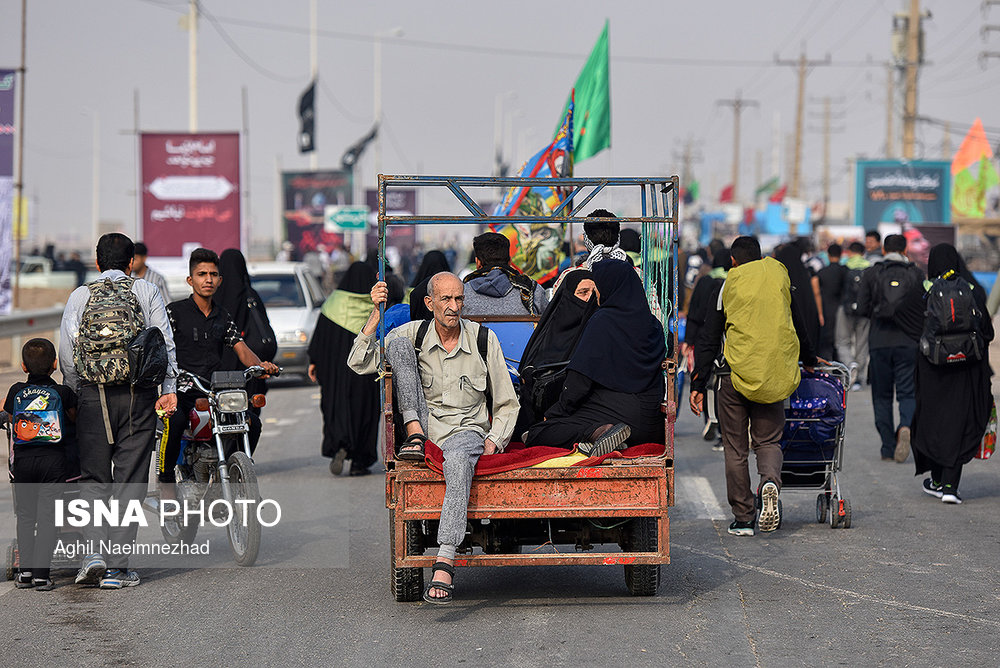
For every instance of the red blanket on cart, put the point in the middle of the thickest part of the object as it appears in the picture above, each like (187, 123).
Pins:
(516, 456)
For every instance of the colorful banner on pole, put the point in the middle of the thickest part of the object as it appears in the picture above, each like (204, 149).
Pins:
(7, 78)
(307, 195)
(894, 191)
(190, 191)
(536, 249)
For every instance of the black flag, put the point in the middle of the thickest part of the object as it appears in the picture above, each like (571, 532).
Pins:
(307, 119)
(352, 154)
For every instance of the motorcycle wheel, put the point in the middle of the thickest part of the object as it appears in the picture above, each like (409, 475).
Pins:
(175, 531)
(244, 529)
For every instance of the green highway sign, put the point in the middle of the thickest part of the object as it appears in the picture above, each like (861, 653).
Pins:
(345, 218)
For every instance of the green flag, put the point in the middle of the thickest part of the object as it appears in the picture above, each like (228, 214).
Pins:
(767, 187)
(592, 113)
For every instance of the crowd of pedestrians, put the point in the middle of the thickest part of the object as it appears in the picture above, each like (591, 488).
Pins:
(918, 340)
(120, 348)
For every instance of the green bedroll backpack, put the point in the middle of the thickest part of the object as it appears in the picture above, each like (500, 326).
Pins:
(110, 320)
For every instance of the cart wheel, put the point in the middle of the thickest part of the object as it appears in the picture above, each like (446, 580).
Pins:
(822, 506)
(846, 521)
(407, 584)
(10, 563)
(641, 536)
(834, 514)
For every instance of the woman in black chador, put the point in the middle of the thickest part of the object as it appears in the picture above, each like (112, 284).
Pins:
(614, 386)
(543, 364)
(350, 403)
(953, 400)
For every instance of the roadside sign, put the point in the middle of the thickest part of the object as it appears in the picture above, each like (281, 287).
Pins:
(339, 218)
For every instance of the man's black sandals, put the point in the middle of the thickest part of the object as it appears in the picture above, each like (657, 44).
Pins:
(449, 589)
(412, 448)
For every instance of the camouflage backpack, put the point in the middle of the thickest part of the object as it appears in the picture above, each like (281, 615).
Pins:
(110, 320)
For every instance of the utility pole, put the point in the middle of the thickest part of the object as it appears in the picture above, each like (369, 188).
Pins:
(737, 103)
(313, 74)
(914, 57)
(758, 174)
(193, 66)
(803, 65)
(827, 131)
(687, 158)
(19, 208)
(890, 87)
(946, 142)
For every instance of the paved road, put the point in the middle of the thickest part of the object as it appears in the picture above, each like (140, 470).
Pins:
(912, 583)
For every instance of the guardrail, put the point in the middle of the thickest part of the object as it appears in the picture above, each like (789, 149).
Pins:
(30, 322)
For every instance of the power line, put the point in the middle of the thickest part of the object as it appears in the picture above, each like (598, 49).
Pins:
(337, 103)
(243, 55)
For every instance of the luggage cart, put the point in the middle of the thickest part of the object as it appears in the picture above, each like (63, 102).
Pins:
(813, 441)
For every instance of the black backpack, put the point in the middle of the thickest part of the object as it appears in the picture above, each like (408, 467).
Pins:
(952, 323)
(894, 283)
(849, 296)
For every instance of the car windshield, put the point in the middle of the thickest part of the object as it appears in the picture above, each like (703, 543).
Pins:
(278, 290)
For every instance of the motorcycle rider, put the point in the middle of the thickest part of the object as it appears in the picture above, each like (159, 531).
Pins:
(202, 330)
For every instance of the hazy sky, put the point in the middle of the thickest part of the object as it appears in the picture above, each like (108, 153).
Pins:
(670, 63)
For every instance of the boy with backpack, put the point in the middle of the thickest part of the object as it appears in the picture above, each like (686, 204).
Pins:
(116, 413)
(891, 293)
(42, 414)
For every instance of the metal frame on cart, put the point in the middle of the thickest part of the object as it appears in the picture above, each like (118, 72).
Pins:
(633, 490)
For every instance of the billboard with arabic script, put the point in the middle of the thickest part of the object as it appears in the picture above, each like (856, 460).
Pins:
(190, 191)
(896, 191)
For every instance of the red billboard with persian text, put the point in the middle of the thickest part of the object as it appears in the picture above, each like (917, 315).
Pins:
(190, 191)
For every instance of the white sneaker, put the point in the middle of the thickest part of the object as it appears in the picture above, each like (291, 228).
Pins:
(950, 495)
(770, 513)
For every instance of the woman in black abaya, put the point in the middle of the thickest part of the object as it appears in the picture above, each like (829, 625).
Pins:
(953, 400)
(237, 297)
(803, 295)
(349, 402)
(614, 386)
(543, 364)
(434, 262)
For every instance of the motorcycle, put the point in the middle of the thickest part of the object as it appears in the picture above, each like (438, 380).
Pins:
(215, 462)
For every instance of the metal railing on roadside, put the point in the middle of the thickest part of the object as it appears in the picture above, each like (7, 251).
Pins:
(30, 322)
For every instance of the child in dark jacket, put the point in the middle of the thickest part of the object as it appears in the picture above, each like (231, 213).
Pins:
(42, 414)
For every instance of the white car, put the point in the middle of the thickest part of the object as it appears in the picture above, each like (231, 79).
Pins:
(292, 298)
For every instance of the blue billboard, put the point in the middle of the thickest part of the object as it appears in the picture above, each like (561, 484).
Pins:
(897, 191)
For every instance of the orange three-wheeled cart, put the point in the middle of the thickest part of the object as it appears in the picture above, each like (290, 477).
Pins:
(612, 514)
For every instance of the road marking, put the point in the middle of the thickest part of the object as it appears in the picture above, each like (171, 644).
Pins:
(281, 422)
(835, 590)
(694, 496)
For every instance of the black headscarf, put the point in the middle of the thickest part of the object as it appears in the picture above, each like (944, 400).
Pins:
(790, 255)
(944, 258)
(395, 284)
(622, 346)
(434, 261)
(234, 289)
(629, 241)
(359, 279)
(561, 324)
